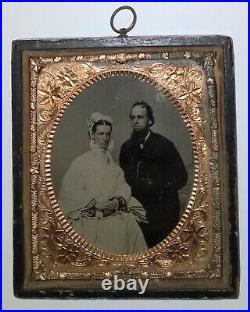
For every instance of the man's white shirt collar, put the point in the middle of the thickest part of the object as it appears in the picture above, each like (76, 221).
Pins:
(145, 140)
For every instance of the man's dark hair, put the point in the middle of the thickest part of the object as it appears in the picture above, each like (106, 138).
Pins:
(148, 108)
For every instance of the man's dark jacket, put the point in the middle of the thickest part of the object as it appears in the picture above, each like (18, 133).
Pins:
(155, 173)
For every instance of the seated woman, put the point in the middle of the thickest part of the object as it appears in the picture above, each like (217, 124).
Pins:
(97, 200)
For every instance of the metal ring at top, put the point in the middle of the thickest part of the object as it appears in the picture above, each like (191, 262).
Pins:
(123, 31)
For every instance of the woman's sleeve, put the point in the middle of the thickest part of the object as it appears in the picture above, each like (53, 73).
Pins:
(73, 193)
(122, 188)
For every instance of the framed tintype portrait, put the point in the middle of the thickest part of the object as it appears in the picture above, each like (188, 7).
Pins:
(125, 167)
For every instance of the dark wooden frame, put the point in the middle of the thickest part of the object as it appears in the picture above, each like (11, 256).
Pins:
(230, 147)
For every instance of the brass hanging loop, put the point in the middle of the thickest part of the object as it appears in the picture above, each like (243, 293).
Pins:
(123, 31)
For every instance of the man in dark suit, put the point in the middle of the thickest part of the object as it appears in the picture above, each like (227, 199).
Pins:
(155, 171)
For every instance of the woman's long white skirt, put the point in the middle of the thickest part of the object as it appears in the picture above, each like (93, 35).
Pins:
(118, 234)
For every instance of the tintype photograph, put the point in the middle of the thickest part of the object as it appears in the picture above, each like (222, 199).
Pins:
(126, 169)
(122, 165)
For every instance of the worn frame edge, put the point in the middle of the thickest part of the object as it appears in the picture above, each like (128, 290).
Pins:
(18, 46)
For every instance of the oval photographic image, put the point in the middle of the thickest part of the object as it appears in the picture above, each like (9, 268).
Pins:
(122, 165)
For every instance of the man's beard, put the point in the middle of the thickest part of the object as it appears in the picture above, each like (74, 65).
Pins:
(139, 136)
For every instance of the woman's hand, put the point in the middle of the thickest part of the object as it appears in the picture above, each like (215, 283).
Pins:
(114, 204)
(110, 204)
(102, 205)
(74, 215)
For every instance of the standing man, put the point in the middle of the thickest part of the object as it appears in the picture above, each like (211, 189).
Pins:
(155, 171)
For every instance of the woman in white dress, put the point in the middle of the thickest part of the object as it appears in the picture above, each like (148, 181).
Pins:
(97, 200)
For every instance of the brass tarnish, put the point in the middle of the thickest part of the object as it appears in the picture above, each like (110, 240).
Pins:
(193, 249)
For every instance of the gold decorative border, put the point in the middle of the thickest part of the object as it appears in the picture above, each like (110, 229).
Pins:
(58, 252)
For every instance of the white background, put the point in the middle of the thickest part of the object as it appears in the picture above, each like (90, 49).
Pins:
(43, 20)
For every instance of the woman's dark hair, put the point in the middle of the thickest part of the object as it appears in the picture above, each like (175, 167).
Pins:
(148, 108)
(100, 123)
